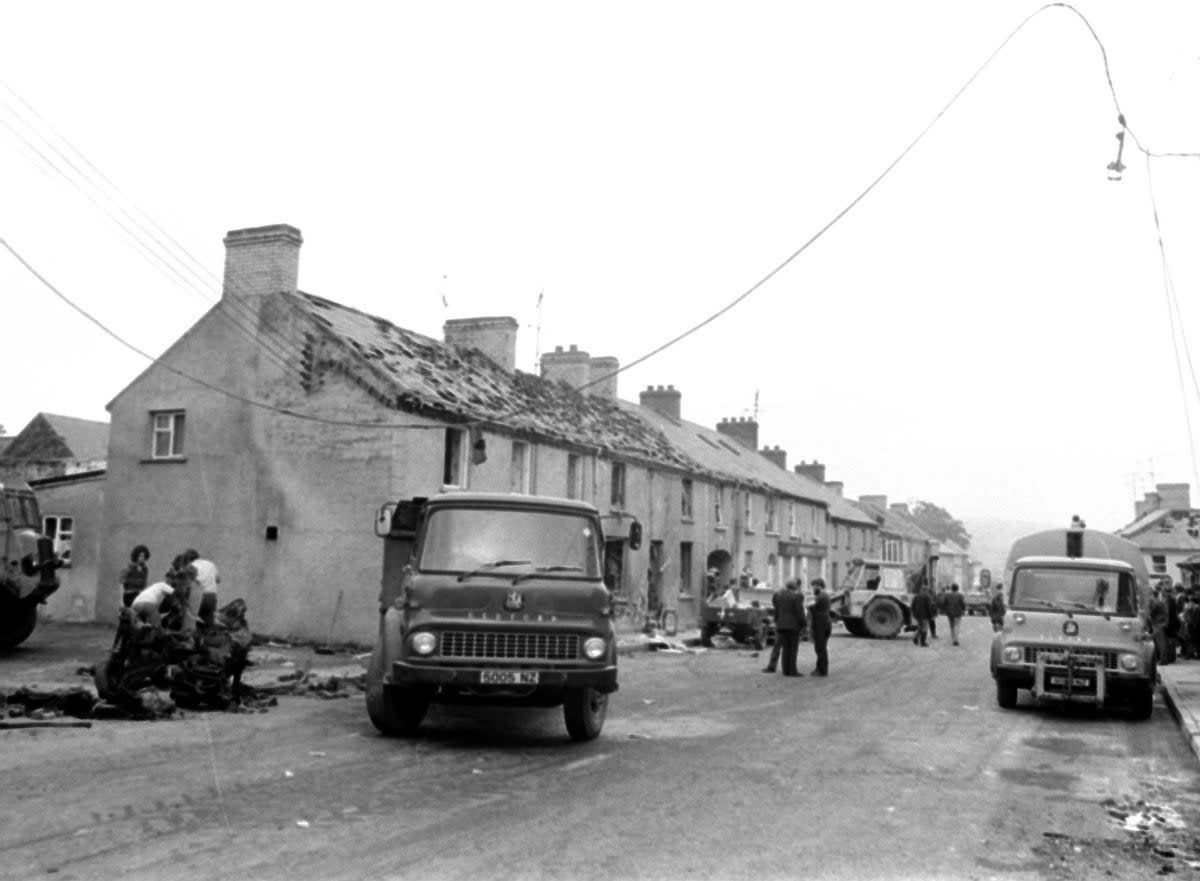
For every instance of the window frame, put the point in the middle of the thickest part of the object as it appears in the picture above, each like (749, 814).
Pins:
(457, 458)
(520, 469)
(687, 499)
(616, 490)
(55, 534)
(175, 433)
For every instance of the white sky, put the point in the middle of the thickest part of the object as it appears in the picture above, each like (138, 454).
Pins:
(987, 330)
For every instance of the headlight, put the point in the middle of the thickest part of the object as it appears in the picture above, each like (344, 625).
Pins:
(423, 643)
(1013, 654)
(1129, 662)
(593, 649)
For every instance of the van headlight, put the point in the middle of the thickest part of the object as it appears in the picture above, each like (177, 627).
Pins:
(594, 648)
(423, 643)
(1129, 662)
(1013, 654)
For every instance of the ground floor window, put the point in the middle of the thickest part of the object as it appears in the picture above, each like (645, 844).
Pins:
(60, 529)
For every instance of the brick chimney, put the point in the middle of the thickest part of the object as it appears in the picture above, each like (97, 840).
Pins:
(813, 470)
(837, 486)
(1176, 496)
(261, 260)
(742, 429)
(899, 508)
(494, 336)
(572, 367)
(879, 502)
(776, 455)
(662, 399)
(602, 365)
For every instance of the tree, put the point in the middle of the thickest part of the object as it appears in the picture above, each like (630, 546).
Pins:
(941, 524)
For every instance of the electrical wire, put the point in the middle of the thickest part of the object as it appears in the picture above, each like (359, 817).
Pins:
(1172, 309)
(285, 411)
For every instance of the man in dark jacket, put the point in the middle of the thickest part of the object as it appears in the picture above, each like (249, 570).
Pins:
(820, 625)
(922, 612)
(956, 607)
(789, 621)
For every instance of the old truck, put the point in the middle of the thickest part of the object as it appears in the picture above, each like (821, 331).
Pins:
(29, 564)
(874, 599)
(493, 598)
(1076, 626)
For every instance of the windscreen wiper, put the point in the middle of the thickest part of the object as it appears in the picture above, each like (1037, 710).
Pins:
(488, 567)
(541, 570)
(1049, 604)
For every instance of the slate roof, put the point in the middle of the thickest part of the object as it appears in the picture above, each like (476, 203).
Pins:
(895, 523)
(415, 373)
(1164, 529)
(51, 437)
(86, 438)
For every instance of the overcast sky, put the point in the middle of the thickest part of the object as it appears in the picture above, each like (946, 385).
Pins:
(987, 329)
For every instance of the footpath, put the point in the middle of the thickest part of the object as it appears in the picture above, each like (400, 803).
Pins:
(1181, 689)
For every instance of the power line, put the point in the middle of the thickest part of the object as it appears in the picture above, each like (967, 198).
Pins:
(208, 385)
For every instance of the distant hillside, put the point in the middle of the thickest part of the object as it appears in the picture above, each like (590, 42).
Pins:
(992, 537)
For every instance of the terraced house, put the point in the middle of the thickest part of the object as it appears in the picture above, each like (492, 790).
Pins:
(269, 433)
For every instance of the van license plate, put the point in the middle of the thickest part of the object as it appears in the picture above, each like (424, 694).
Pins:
(508, 677)
(1076, 682)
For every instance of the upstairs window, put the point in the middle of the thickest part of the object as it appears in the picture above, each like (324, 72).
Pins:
(454, 465)
(167, 434)
(685, 500)
(617, 496)
(772, 525)
(792, 519)
(1159, 563)
(719, 506)
(748, 512)
(574, 476)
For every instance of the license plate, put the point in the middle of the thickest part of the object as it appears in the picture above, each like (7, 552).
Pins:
(508, 677)
(1076, 682)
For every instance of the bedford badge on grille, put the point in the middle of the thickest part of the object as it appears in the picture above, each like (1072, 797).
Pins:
(514, 602)
(1070, 628)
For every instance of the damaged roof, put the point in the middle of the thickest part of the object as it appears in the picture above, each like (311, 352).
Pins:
(416, 373)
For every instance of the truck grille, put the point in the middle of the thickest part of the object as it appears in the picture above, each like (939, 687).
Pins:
(1057, 656)
(486, 644)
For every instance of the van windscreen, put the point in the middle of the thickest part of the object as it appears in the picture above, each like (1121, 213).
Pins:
(1074, 590)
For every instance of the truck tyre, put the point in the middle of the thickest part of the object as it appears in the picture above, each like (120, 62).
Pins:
(394, 711)
(883, 618)
(855, 626)
(1006, 695)
(707, 632)
(17, 621)
(584, 710)
(1141, 705)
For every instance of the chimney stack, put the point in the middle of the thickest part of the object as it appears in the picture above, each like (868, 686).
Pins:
(665, 401)
(776, 455)
(572, 367)
(494, 336)
(602, 365)
(900, 508)
(837, 486)
(742, 429)
(813, 470)
(261, 260)
(1176, 496)
(879, 502)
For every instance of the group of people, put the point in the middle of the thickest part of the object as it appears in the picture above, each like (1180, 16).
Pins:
(186, 594)
(1175, 616)
(927, 605)
(792, 618)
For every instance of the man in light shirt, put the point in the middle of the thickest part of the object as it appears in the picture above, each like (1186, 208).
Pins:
(204, 607)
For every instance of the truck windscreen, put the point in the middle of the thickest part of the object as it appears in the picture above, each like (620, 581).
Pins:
(1074, 590)
(465, 539)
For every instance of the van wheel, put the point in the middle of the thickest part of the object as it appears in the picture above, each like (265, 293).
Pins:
(1141, 707)
(1006, 695)
(584, 710)
(394, 711)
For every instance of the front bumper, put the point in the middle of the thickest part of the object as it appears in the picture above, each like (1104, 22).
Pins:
(1082, 683)
(601, 678)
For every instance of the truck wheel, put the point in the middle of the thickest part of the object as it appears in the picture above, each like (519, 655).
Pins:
(584, 710)
(883, 619)
(1006, 695)
(855, 626)
(16, 623)
(1141, 706)
(393, 710)
(708, 631)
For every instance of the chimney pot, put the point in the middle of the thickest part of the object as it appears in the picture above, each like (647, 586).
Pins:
(494, 336)
(665, 401)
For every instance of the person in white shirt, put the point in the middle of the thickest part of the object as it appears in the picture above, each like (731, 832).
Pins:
(149, 605)
(205, 606)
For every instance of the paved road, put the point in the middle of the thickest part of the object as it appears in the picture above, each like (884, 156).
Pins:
(899, 765)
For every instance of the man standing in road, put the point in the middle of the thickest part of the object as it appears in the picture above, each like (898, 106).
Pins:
(789, 620)
(996, 608)
(922, 612)
(956, 607)
(820, 625)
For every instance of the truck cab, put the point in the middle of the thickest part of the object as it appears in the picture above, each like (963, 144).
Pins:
(1076, 625)
(492, 598)
(28, 576)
